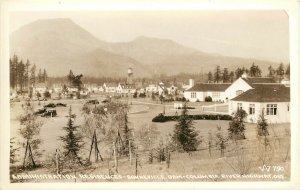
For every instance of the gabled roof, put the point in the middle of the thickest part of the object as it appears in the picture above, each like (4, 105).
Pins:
(265, 93)
(259, 80)
(127, 86)
(204, 87)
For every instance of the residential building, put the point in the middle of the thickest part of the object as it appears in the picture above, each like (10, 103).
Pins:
(202, 90)
(125, 89)
(271, 99)
(110, 87)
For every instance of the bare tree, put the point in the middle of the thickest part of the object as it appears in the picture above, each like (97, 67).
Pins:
(30, 130)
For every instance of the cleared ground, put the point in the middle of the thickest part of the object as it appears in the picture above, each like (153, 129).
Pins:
(248, 154)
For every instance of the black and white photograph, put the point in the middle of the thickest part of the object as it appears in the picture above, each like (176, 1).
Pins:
(149, 96)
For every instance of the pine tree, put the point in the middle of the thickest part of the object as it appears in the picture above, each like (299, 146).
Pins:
(217, 74)
(185, 135)
(70, 78)
(254, 71)
(33, 75)
(271, 71)
(238, 73)
(262, 125)
(231, 76)
(236, 126)
(45, 75)
(40, 76)
(210, 77)
(225, 75)
(280, 71)
(27, 65)
(72, 141)
(287, 72)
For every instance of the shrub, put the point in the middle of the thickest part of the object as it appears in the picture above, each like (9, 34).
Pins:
(208, 99)
(163, 118)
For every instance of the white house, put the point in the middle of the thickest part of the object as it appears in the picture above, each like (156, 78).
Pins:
(172, 89)
(110, 87)
(245, 83)
(125, 89)
(272, 99)
(202, 90)
(152, 88)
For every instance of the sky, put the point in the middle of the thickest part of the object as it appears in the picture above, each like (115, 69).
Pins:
(255, 34)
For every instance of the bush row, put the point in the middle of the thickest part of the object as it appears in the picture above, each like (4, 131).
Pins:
(162, 118)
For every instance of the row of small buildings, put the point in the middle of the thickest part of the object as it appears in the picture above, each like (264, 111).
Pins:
(252, 94)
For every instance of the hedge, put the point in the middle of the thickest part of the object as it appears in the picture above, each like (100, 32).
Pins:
(163, 118)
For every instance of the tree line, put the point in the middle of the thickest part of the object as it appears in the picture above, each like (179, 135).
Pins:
(226, 76)
(23, 74)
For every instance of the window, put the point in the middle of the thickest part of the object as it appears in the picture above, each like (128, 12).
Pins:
(238, 92)
(252, 109)
(216, 94)
(271, 109)
(193, 94)
(239, 106)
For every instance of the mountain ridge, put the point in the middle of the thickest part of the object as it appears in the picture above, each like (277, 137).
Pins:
(59, 45)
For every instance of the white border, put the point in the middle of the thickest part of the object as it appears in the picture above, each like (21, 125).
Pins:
(292, 7)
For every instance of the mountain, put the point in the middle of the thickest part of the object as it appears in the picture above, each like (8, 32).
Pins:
(59, 45)
(165, 56)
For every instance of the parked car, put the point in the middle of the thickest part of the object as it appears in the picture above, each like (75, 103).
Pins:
(50, 105)
(61, 104)
(92, 102)
(49, 113)
(105, 101)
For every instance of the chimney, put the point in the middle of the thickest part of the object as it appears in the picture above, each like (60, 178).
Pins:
(191, 83)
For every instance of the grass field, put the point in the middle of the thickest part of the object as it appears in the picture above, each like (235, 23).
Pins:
(243, 157)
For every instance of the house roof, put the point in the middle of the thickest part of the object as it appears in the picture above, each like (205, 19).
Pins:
(204, 87)
(127, 86)
(259, 80)
(265, 93)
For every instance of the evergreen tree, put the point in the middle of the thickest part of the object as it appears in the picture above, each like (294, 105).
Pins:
(271, 71)
(236, 126)
(210, 77)
(262, 125)
(40, 76)
(27, 65)
(254, 71)
(33, 75)
(225, 75)
(231, 76)
(70, 78)
(12, 73)
(185, 135)
(238, 73)
(287, 72)
(45, 75)
(217, 74)
(72, 141)
(126, 131)
(280, 71)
